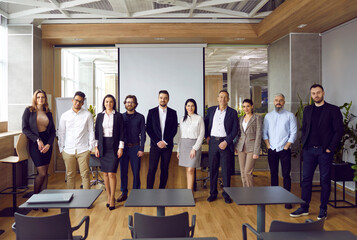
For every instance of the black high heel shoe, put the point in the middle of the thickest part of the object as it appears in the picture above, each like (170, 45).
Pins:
(107, 205)
(111, 208)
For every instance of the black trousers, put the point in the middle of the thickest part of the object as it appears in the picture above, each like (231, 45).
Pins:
(285, 159)
(218, 157)
(155, 154)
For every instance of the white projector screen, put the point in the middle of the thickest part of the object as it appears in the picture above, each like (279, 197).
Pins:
(144, 71)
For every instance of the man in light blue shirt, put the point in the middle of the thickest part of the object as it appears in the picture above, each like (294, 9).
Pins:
(279, 132)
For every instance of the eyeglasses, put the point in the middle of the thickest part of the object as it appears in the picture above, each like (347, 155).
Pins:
(129, 102)
(78, 101)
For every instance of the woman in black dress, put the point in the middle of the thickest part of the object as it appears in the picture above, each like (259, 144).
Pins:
(38, 126)
(109, 135)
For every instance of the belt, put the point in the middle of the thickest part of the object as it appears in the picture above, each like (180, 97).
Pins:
(132, 144)
(217, 138)
(315, 147)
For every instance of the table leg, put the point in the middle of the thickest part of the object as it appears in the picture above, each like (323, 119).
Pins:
(261, 218)
(64, 210)
(14, 199)
(160, 211)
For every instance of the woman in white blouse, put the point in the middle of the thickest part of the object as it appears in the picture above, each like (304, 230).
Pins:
(109, 136)
(248, 146)
(192, 131)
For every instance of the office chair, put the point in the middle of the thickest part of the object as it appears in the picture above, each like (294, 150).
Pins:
(94, 165)
(161, 227)
(50, 227)
(278, 226)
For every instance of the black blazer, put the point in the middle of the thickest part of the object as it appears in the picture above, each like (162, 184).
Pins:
(230, 124)
(118, 132)
(29, 126)
(154, 130)
(331, 126)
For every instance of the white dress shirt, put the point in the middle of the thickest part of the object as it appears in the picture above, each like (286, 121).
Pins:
(218, 129)
(76, 132)
(108, 125)
(162, 115)
(193, 128)
(245, 125)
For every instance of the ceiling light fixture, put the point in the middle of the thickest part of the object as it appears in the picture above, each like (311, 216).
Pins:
(302, 25)
(239, 39)
(159, 38)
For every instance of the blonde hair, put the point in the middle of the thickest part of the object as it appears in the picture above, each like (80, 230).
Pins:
(33, 107)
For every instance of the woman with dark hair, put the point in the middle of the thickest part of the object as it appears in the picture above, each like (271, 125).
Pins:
(109, 136)
(248, 146)
(38, 126)
(192, 131)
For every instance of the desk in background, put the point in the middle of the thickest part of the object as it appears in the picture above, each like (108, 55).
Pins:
(310, 235)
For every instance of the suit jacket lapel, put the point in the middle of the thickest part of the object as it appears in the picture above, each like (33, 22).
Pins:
(115, 124)
(157, 120)
(251, 120)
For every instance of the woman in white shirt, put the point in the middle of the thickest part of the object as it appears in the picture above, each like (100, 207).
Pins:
(192, 131)
(248, 146)
(109, 136)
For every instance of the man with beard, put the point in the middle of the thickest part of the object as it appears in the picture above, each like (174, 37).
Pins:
(321, 133)
(76, 140)
(279, 132)
(134, 138)
(161, 126)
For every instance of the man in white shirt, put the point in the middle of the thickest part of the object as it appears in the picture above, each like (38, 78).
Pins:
(161, 126)
(76, 140)
(279, 132)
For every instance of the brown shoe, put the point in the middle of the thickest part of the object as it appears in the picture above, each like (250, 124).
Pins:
(122, 198)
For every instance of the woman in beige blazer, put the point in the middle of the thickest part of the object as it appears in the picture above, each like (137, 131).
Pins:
(248, 146)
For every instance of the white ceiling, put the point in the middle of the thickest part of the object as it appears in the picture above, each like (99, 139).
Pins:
(91, 11)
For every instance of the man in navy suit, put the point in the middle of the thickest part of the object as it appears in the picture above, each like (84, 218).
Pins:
(321, 133)
(221, 128)
(161, 126)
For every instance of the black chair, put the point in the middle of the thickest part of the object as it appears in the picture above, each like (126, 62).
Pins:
(174, 226)
(50, 227)
(278, 226)
(94, 165)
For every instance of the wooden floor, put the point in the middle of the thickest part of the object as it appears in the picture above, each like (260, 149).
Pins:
(216, 219)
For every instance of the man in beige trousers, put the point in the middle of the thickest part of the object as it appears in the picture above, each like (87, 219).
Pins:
(76, 140)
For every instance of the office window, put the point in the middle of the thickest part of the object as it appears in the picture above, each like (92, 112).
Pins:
(3, 70)
(69, 74)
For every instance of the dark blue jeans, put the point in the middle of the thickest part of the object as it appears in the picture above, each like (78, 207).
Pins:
(312, 157)
(130, 153)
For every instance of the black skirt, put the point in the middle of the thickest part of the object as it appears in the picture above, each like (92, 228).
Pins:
(109, 161)
(38, 158)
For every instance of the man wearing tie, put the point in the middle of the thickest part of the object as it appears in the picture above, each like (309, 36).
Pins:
(221, 128)
(161, 126)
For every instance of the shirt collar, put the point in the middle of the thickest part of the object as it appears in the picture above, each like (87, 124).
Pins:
(162, 110)
(225, 110)
(113, 112)
(80, 110)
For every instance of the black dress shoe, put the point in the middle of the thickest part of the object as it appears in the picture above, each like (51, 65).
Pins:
(107, 205)
(227, 199)
(44, 209)
(211, 198)
(288, 206)
(122, 198)
(111, 208)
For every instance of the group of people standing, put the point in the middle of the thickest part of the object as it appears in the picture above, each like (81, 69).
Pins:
(120, 138)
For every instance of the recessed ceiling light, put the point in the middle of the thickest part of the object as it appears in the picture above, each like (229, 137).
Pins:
(78, 39)
(159, 38)
(302, 25)
(239, 39)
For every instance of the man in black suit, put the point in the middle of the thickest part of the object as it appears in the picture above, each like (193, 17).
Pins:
(161, 126)
(221, 128)
(321, 133)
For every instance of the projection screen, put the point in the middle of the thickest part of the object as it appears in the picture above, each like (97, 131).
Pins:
(146, 69)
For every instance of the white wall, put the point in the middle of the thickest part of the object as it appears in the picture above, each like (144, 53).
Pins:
(339, 67)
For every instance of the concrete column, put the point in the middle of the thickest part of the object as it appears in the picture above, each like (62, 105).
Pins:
(257, 96)
(238, 83)
(294, 64)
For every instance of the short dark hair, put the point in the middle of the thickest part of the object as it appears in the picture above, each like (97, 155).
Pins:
(164, 92)
(112, 97)
(134, 98)
(248, 101)
(225, 91)
(317, 85)
(81, 94)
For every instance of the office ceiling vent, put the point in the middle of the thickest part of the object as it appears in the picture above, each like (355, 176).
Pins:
(165, 1)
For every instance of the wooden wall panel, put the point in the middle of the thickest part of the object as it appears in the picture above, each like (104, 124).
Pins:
(213, 84)
(3, 127)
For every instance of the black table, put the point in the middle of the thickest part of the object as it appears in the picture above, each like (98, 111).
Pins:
(199, 238)
(160, 198)
(261, 196)
(311, 235)
(82, 198)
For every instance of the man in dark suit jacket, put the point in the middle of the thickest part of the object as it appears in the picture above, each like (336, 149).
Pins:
(221, 128)
(161, 126)
(322, 130)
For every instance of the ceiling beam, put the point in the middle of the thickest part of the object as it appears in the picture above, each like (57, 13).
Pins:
(158, 11)
(31, 3)
(215, 2)
(76, 3)
(57, 6)
(226, 11)
(192, 8)
(258, 7)
(126, 7)
(4, 14)
(98, 12)
(29, 12)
